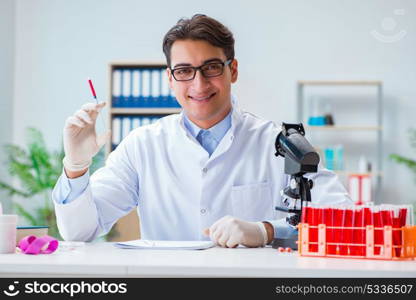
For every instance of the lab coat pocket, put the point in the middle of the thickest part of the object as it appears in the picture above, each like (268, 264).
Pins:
(252, 202)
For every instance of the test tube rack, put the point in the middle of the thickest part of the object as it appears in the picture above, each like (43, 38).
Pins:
(404, 250)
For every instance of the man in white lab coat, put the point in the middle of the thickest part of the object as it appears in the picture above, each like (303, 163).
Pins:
(207, 173)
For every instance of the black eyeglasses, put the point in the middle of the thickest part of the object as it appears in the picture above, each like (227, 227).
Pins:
(212, 69)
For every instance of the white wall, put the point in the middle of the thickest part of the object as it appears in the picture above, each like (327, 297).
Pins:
(61, 43)
(7, 36)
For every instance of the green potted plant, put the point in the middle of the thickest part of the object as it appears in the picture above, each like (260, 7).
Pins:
(408, 162)
(37, 169)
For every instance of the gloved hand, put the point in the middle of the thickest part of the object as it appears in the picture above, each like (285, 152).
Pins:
(230, 232)
(80, 138)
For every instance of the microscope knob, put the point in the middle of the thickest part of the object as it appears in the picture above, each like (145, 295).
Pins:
(293, 184)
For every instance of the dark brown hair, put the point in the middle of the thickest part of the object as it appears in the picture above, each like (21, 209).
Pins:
(200, 27)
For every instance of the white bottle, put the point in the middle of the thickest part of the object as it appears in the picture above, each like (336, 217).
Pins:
(362, 165)
(8, 233)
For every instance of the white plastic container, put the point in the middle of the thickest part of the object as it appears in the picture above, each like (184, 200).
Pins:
(8, 233)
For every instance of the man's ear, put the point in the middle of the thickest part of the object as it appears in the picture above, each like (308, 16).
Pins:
(170, 77)
(234, 70)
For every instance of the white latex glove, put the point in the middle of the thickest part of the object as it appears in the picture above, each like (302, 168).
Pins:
(80, 138)
(230, 232)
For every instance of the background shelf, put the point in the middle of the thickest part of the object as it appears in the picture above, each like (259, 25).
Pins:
(336, 127)
(145, 111)
(138, 102)
(351, 109)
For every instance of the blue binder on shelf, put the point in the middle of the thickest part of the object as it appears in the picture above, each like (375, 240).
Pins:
(155, 90)
(125, 127)
(126, 89)
(116, 89)
(164, 90)
(146, 80)
(141, 87)
(136, 123)
(136, 85)
(145, 120)
(172, 100)
(116, 132)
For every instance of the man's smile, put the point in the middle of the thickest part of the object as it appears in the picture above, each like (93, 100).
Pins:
(202, 98)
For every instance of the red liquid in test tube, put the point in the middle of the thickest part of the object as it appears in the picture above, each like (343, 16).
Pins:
(313, 233)
(305, 211)
(368, 216)
(387, 219)
(358, 233)
(346, 231)
(338, 221)
(397, 233)
(329, 216)
(378, 230)
(403, 216)
(322, 216)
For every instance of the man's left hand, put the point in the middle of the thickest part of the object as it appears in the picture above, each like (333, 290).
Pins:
(230, 232)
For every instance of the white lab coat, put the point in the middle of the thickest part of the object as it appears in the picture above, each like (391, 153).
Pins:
(179, 190)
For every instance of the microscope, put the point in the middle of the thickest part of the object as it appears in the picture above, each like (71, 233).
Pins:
(300, 158)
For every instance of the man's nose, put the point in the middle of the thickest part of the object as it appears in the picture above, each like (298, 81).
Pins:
(200, 81)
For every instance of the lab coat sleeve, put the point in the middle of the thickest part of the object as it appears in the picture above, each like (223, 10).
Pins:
(327, 188)
(111, 193)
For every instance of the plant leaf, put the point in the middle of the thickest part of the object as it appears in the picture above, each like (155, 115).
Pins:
(12, 191)
(24, 213)
(410, 163)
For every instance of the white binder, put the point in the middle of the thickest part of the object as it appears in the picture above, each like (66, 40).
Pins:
(116, 132)
(155, 83)
(146, 83)
(125, 127)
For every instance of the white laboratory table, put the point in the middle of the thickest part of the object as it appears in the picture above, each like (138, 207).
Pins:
(105, 260)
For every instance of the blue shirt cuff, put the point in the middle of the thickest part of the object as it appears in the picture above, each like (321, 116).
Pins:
(282, 229)
(67, 189)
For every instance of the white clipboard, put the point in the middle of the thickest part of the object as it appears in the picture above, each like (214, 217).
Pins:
(165, 245)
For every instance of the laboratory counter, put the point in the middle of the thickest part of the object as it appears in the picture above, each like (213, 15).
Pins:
(103, 259)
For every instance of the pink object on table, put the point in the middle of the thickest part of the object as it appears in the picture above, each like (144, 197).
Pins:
(38, 245)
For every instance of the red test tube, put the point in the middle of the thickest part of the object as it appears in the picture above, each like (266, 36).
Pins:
(305, 212)
(346, 231)
(358, 232)
(313, 233)
(338, 221)
(397, 233)
(329, 218)
(378, 230)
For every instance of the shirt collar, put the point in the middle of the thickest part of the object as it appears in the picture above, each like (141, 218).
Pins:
(236, 117)
(218, 130)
